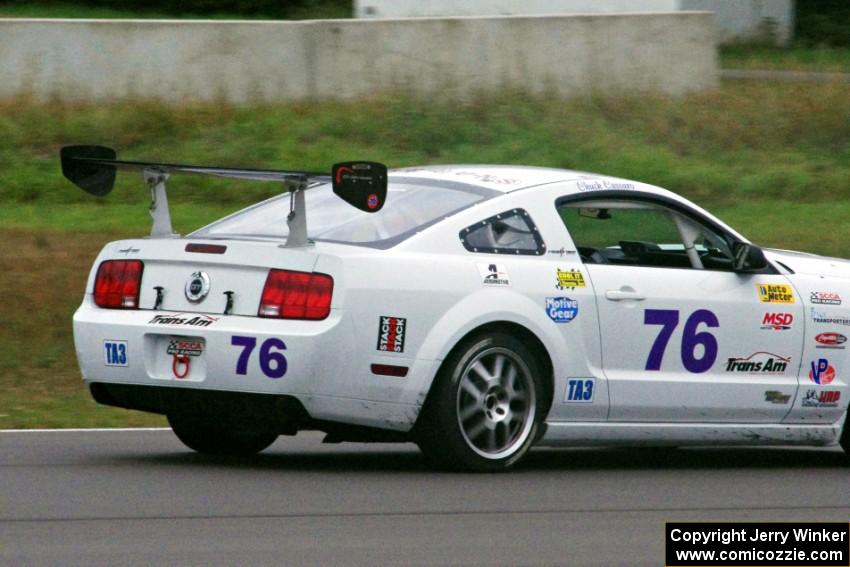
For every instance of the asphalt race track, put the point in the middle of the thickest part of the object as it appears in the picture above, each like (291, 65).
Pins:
(140, 498)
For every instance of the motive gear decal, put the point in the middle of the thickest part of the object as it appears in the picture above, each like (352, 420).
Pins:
(391, 334)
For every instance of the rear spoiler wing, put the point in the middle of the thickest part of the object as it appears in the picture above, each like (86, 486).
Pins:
(362, 184)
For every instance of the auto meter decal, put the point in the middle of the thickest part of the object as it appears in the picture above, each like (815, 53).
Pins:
(391, 333)
(561, 309)
(569, 279)
(777, 321)
(830, 340)
(821, 372)
(824, 298)
(775, 293)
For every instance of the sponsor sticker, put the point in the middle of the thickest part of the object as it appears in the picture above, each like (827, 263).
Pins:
(183, 319)
(569, 279)
(391, 333)
(821, 399)
(758, 363)
(822, 317)
(561, 309)
(821, 372)
(830, 340)
(776, 397)
(580, 390)
(824, 298)
(115, 353)
(494, 274)
(185, 346)
(777, 321)
(775, 293)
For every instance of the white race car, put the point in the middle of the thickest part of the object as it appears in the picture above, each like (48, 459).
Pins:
(475, 310)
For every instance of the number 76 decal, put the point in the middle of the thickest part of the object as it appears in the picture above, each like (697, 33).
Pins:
(669, 319)
(272, 362)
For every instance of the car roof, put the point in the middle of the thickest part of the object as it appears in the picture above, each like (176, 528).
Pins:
(504, 178)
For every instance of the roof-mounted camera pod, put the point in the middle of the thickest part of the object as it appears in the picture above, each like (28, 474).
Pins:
(362, 184)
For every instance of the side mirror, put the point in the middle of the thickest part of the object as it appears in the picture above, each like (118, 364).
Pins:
(362, 184)
(748, 258)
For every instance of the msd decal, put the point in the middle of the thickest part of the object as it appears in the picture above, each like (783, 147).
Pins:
(830, 340)
(821, 372)
(391, 334)
(777, 321)
(775, 293)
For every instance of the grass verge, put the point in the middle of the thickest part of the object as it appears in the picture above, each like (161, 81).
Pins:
(823, 59)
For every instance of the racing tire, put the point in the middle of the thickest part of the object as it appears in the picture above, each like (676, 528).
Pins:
(485, 408)
(844, 440)
(212, 438)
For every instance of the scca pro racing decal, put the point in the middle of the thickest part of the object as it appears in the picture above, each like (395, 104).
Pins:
(758, 363)
(775, 293)
(561, 309)
(494, 274)
(821, 372)
(184, 319)
(569, 279)
(822, 399)
(391, 331)
(115, 353)
(824, 298)
(185, 346)
(580, 390)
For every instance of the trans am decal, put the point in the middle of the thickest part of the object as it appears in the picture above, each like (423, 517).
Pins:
(391, 331)
(183, 319)
(775, 293)
(758, 363)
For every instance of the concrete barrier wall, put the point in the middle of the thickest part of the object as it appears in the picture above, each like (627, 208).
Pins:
(346, 59)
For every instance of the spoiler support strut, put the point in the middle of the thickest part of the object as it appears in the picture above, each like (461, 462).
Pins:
(159, 210)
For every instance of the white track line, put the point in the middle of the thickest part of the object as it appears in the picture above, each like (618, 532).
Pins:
(85, 430)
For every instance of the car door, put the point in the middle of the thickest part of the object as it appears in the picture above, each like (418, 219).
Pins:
(684, 338)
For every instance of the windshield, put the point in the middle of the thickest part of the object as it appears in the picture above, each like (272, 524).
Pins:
(411, 206)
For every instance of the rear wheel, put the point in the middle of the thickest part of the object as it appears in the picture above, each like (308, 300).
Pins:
(486, 407)
(212, 438)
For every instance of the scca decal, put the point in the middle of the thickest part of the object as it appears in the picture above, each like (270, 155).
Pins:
(824, 298)
(775, 293)
(391, 332)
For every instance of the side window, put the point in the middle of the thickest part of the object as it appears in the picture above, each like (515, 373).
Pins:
(511, 232)
(643, 234)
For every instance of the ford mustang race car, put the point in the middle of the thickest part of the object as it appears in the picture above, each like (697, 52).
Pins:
(474, 310)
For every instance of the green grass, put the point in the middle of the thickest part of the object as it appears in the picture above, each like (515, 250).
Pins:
(824, 59)
(28, 9)
(773, 160)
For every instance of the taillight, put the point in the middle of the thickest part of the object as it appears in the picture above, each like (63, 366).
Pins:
(296, 295)
(117, 284)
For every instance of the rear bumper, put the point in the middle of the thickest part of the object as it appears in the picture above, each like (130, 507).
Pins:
(324, 372)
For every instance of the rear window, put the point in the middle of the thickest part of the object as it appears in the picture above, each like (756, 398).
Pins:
(411, 206)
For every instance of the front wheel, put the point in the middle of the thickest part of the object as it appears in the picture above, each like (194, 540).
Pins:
(213, 438)
(486, 407)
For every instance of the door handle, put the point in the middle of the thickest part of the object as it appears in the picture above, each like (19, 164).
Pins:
(623, 294)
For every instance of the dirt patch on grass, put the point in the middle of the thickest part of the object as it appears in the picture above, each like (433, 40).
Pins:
(41, 284)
